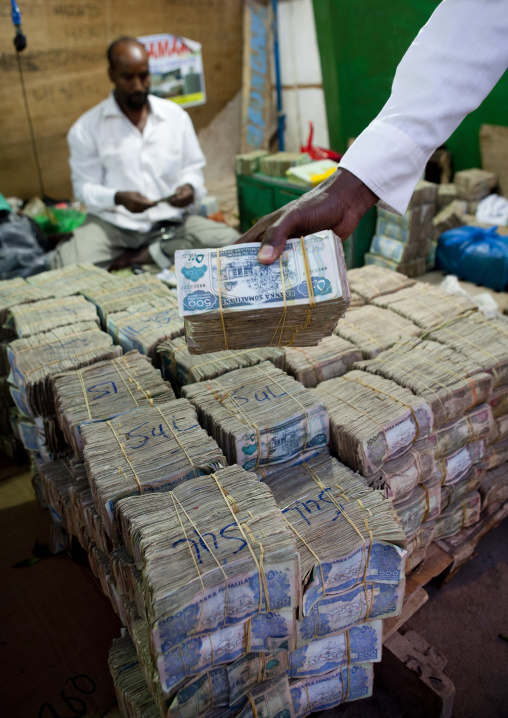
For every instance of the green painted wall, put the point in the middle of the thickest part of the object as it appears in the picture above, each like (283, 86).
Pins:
(361, 43)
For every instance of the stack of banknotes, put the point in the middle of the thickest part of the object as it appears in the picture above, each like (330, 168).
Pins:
(474, 184)
(37, 317)
(248, 163)
(373, 329)
(181, 367)
(35, 360)
(123, 293)
(260, 415)
(230, 301)
(332, 357)
(279, 163)
(14, 292)
(149, 449)
(104, 390)
(494, 487)
(370, 282)
(426, 305)
(70, 280)
(145, 326)
(402, 242)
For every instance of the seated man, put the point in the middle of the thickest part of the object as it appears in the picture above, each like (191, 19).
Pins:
(137, 165)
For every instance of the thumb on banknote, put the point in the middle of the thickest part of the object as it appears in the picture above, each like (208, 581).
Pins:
(338, 203)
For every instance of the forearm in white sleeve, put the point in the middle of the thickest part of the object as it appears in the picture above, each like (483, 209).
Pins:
(86, 171)
(452, 65)
(193, 162)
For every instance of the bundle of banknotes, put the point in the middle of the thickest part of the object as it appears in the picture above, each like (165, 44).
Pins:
(370, 282)
(484, 340)
(425, 305)
(373, 329)
(42, 316)
(70, 280)
(145, 326)
(104, 390)
(450, 381)
(149, 449)
(231, 558)
(277, 165)
(133, 694)
(123, 293)
(260, 415)
(230, 301)
(458, 515)
(332, 357)
(14, 292)
(474, 184)
(181, 367)
(249, 162)
(373, 419)
(494, 486)
(37, 359)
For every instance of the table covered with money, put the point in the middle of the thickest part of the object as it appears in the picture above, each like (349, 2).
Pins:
(252, 483)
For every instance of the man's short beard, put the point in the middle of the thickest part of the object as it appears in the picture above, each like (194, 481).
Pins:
(137, 101)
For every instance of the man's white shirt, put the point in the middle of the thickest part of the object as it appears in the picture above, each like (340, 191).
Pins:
(109, 154)
(452, 65)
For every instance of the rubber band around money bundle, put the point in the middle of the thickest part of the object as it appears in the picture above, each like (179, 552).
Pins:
(284, 309)
(389, 396)
(427, 499)
(240, 413)
(286, 391)
(365, 555)
(178, 441)
(252, 704)
(83, 389)
(221, 310)
(120, 362)
(315, 365)
(176, 501)
(122, 449)
(263, 586)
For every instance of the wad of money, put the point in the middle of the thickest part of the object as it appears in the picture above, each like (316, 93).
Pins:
(230, 301)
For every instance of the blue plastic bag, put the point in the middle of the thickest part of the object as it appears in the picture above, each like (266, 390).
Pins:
(476, 255)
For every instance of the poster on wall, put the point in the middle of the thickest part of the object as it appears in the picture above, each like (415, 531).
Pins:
(176, 69)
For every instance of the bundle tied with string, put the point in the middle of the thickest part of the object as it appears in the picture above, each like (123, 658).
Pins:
(230, 301)
(231, 555)
(260, 415)
(124, 293)
(450, 381)
(372, 419)
(181, 367)
(459, 515)
(132, 692)
(146, 450)
(346, 532)
(105, 390)
(425, 305)
(37, 359)
(494, 487)
(484, 340)
(371, 281)
(423, 504)
(47, 314)
(332, 357)
(373, 329)
(145, 326)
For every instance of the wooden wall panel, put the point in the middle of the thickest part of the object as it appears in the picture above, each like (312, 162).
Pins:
(66, 72)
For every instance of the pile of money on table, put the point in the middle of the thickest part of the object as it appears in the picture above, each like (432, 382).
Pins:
(231, 301)
(252, 569)
(403, 243)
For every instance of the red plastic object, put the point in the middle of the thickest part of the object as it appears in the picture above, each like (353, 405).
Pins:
(319, 153)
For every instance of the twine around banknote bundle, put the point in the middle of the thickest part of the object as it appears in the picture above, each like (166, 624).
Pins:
(244, 417)
(282, 321)
(122, 449)
(389, 396)
(132, 380)
(344, 693)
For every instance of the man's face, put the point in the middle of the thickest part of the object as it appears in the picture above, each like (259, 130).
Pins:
(130, 75)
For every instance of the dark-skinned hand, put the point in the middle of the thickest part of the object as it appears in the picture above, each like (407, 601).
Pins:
(183, 197)
(135, 202)
(338, 203)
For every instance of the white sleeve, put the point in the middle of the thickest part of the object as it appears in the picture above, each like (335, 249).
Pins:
(193, 161)
(452, 65)
(86, 170)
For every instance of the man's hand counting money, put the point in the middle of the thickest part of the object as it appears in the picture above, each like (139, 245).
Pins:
(338, 203)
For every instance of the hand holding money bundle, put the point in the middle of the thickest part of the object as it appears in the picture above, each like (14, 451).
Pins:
(231, 301)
